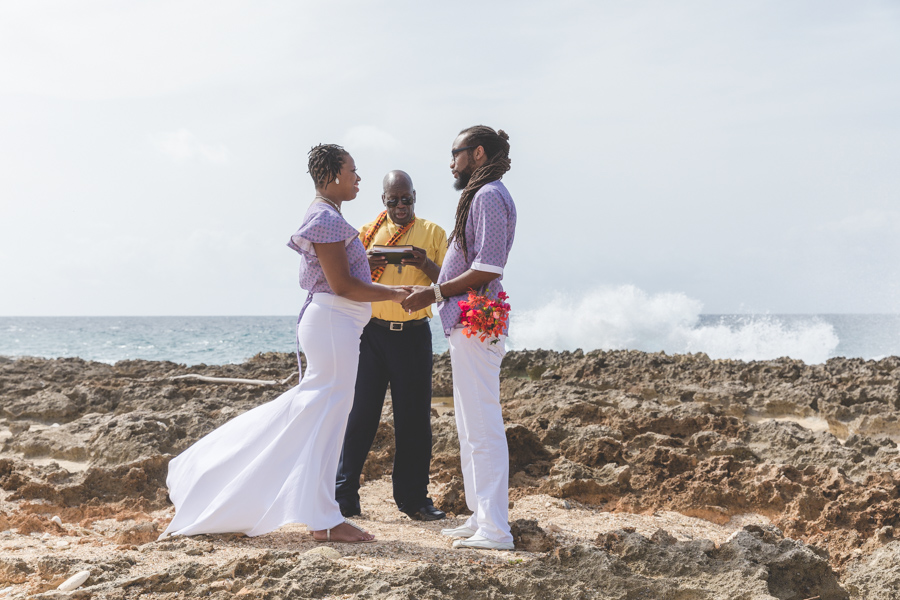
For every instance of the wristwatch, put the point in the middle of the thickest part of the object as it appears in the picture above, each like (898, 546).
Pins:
(437, 293)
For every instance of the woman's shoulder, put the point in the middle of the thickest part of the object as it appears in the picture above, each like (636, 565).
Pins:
(322, 224)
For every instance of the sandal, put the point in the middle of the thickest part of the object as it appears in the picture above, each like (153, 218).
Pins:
(351, 524)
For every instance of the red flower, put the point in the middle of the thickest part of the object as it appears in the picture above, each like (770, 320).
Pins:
(484, 317)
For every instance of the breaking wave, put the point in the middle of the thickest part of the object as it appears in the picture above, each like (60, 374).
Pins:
(626, 317)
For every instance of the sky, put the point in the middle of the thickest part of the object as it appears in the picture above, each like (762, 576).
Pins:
(743, 154)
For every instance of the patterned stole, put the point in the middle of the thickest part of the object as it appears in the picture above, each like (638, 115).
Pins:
(370, 234)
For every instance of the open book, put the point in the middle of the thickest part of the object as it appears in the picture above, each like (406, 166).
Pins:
(394, 254)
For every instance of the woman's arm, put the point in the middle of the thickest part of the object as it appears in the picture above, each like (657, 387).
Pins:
(333, 258)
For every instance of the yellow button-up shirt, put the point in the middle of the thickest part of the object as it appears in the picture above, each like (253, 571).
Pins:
(423, 234)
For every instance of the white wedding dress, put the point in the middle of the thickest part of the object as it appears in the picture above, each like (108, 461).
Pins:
(276, 464)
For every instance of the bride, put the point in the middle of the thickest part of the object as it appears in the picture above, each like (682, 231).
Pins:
(275, 464)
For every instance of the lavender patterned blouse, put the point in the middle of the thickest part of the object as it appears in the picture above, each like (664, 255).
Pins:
(490, 231)
(322, 225)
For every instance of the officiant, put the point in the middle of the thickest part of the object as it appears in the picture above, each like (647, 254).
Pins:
(395, 350)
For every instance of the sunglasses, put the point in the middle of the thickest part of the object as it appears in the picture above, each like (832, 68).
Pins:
(456, 151)
(406, 200)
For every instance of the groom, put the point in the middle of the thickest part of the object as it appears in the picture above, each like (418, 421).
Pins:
(479, 247)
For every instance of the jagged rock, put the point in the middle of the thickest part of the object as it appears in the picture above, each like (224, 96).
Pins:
(14, 570)
(877, 577)
(622, 430)
(528, 535)
(450, 497)
(525, 448)
(756, 563)
(46, 406)
(569, 479)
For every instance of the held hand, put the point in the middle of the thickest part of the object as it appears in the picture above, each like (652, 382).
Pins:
(419, 260)
(420, 297)
(376, 260)
(400, 292)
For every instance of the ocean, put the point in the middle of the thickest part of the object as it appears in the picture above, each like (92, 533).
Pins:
(223, 340)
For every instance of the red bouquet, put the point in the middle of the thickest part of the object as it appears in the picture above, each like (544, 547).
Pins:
(484, 317)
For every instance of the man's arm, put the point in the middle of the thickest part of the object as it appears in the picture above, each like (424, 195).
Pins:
(472, 279)
(421, 261)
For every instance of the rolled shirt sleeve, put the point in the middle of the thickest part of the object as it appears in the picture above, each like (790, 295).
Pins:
(490, 217)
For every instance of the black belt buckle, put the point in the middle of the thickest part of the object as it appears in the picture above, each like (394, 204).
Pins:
(398, 325)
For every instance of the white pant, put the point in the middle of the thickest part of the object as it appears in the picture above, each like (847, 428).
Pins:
(276, 464)
(482, 437)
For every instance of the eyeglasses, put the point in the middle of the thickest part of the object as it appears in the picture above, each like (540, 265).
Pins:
(406, 200)
(456, 151)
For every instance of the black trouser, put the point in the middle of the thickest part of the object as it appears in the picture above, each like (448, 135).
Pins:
(402, 359)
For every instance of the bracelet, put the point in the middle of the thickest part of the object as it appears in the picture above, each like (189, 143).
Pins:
(438, 297)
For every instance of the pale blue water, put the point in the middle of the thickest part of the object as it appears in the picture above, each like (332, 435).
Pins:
(221, 340)
(186, 340)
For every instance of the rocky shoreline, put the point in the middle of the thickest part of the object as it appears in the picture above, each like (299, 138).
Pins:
(633, 475)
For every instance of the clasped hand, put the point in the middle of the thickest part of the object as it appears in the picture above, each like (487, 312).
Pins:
(413, 297)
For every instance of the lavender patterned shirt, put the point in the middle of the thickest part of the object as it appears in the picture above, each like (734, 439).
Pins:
(322, 225)
(490, 231)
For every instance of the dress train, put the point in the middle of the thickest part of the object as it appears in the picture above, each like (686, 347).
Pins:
(276, 464)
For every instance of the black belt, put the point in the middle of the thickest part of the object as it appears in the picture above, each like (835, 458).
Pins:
(398, 325)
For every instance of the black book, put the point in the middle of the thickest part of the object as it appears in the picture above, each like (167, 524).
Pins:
(393, 254)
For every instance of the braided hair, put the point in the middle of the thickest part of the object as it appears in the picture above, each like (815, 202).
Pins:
(496, 147)
(325, 163)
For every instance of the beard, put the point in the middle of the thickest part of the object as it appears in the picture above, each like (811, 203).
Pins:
(463, 180)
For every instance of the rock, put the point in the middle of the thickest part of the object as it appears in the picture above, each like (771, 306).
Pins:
(756, 563)
(528, 536)
(325, 551)
(525, 449)
(569, 479)
(794, 569)
(617, 430)
(138, 534)
(14, 570)
(17, 428)
(44, 405)
(663, 538)
(450, 497)
(145, 479)
(876, 577)
(593, 446)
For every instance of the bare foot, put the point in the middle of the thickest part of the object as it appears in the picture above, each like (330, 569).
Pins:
(345, 532)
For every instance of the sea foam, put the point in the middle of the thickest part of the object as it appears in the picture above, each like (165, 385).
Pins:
(627, 317)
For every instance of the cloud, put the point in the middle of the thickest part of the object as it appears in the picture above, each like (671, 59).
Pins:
(368, 136)
(869, 221)
(183, 146)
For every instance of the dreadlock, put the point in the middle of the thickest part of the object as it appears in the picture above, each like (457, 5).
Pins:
(325, 163)
(496, 147)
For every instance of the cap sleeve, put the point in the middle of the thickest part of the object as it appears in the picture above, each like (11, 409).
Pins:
(322, 226)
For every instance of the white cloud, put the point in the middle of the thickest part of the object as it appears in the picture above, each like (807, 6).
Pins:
(368, 136)
(101, 50)
(183, 146)
(869, 221)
